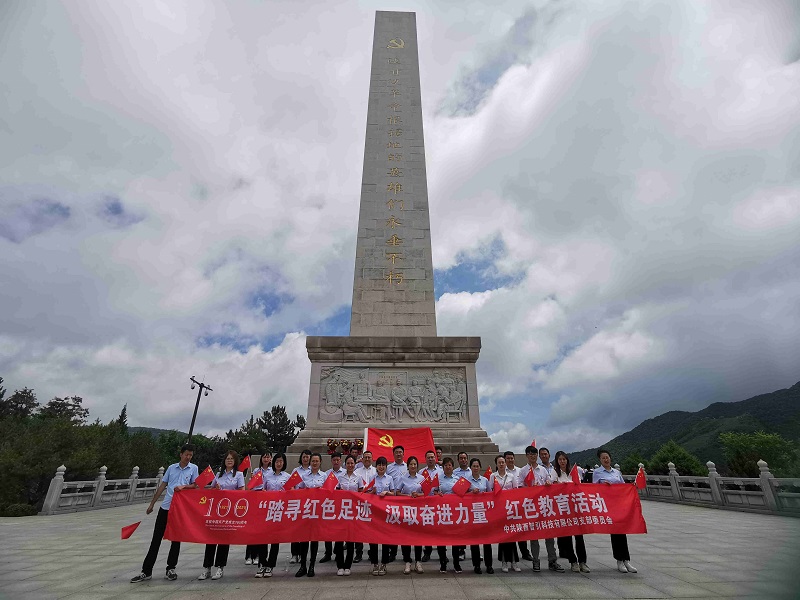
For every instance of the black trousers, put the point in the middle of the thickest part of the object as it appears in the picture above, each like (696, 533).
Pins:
(619, 546)
(566, 551)
(304, 548)
(407, 553)
(373, 554)
(294, 547)
(158, 535)
(442, 552)
(328, 548)
(506, 552)
(456, 551)
(268, 555)
(475, 554)
(359, 548)
(251, 551)
(216, 555)
(344, 554)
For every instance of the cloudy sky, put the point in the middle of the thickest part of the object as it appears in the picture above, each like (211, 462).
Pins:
(614, 192)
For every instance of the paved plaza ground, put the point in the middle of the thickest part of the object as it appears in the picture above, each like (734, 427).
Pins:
(690, 552)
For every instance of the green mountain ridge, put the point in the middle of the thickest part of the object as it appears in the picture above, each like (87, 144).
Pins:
(698, 432)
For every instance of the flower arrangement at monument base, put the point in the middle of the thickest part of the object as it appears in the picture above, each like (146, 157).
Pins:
(332, 443)
(359, 444)
(345, 444)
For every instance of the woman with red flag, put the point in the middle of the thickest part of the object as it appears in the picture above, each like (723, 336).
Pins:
(410, 484)
(230, 478)
(351, 482)
(619, 541)
(303, 468)
(382, 485)
(478, 484)
(565, 549)
(313, 479)
(265, 462)
(504, 481)
(446, 483)
(274, 481)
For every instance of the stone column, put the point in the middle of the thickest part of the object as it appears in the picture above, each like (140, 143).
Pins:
(673, 482)
(134, 480)
(713, 482)
(54, 492)
(100, 486)
(766, 486)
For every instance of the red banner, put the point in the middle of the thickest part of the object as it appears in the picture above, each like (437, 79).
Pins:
(416, 441)
(241, 517)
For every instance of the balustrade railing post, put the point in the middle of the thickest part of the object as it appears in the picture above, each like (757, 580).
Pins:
(714, 484)
(766, 486)
(673, 482)
(101, 486)
(134, 480)
(54, 491)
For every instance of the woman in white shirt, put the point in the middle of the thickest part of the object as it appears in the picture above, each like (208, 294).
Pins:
(313, 479)
(303, 468)
(227, 479)
(274, 480)
(383, 486)
(619, 541)
(479, 485)
(565, 549)
(505, 551)
(349, 481)
(410, 484)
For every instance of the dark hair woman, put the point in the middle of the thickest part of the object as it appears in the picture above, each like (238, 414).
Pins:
(619, 541)
(565, 549)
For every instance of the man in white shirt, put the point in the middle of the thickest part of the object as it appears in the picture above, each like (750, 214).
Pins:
(463, 469)
(367, 472)
(336, 469)
(396, 470)
(540, 476)
(432, 470)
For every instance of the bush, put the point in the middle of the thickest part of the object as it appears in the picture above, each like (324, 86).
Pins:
(18, 510)
(671, 452)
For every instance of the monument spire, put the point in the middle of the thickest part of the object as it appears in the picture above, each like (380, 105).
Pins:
(393, 284)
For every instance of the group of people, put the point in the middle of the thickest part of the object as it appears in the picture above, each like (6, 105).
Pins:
(400, 477)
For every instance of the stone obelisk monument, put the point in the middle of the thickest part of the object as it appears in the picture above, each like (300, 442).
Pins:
(393, 371)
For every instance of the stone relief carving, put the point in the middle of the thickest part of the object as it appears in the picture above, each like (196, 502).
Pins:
(392, 396)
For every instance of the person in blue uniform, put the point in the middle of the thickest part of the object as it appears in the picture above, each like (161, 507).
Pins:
(619, 541)
(314, 479)
(410, 484)
(274, 480)
(383, 486)
(478, 484)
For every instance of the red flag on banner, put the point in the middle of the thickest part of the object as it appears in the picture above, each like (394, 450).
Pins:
(369, 486)
(206, 477)
(331, 481)
(416, 441)
(461, 486)
(255, 481)
(294, 480)
(426, 486)
(641, 481)
(576, 476)
(529, 478)
(245, 464)
(488, 472)
(128, 530)
(497, 487)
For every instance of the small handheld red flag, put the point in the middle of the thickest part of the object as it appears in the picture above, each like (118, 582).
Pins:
(435, 481)
(497, 487)
(533, 443)
(426, 486)
(331, 481)
(425, 474)
(641, 480)
(128, 530)
(245, 464)
(255, 481)
(529, 478)
(206, 477)
(488, 472)
(576, 476)
(369, 486)
(294, 480)
(461, 486)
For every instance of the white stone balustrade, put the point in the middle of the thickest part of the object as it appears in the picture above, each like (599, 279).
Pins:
(764, 493)
(72, 496)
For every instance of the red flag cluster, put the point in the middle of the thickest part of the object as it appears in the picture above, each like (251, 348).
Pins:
(255, 481)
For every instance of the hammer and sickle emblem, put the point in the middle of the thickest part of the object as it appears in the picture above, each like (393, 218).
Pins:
(203, 500)
(386, 441)
(396, 44)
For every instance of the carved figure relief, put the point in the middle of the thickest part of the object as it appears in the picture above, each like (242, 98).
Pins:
(394, 396)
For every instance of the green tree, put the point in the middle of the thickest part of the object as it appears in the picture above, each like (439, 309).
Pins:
(21, 404)
(122, 420)
(744, 450)
(2, 390)
(69, 409)
(630, 466)
(248, 439)
(279, 430)
(685, 462)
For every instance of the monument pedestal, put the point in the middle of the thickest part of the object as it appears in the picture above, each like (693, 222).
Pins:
(394, 383)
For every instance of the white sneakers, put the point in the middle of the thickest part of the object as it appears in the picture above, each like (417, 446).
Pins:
(382, 569)
(585, 568)
(407, 570)
(419, 568)
(629, 566)
(621, 567)
(340, 572)
(575, 568)
(205, 574)
(375, 570)
(248, 561)
(217, 575)
(347, 572)
(516, 567)
(504, 567)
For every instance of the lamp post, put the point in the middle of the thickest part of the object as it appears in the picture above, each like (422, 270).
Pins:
(203, 387)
